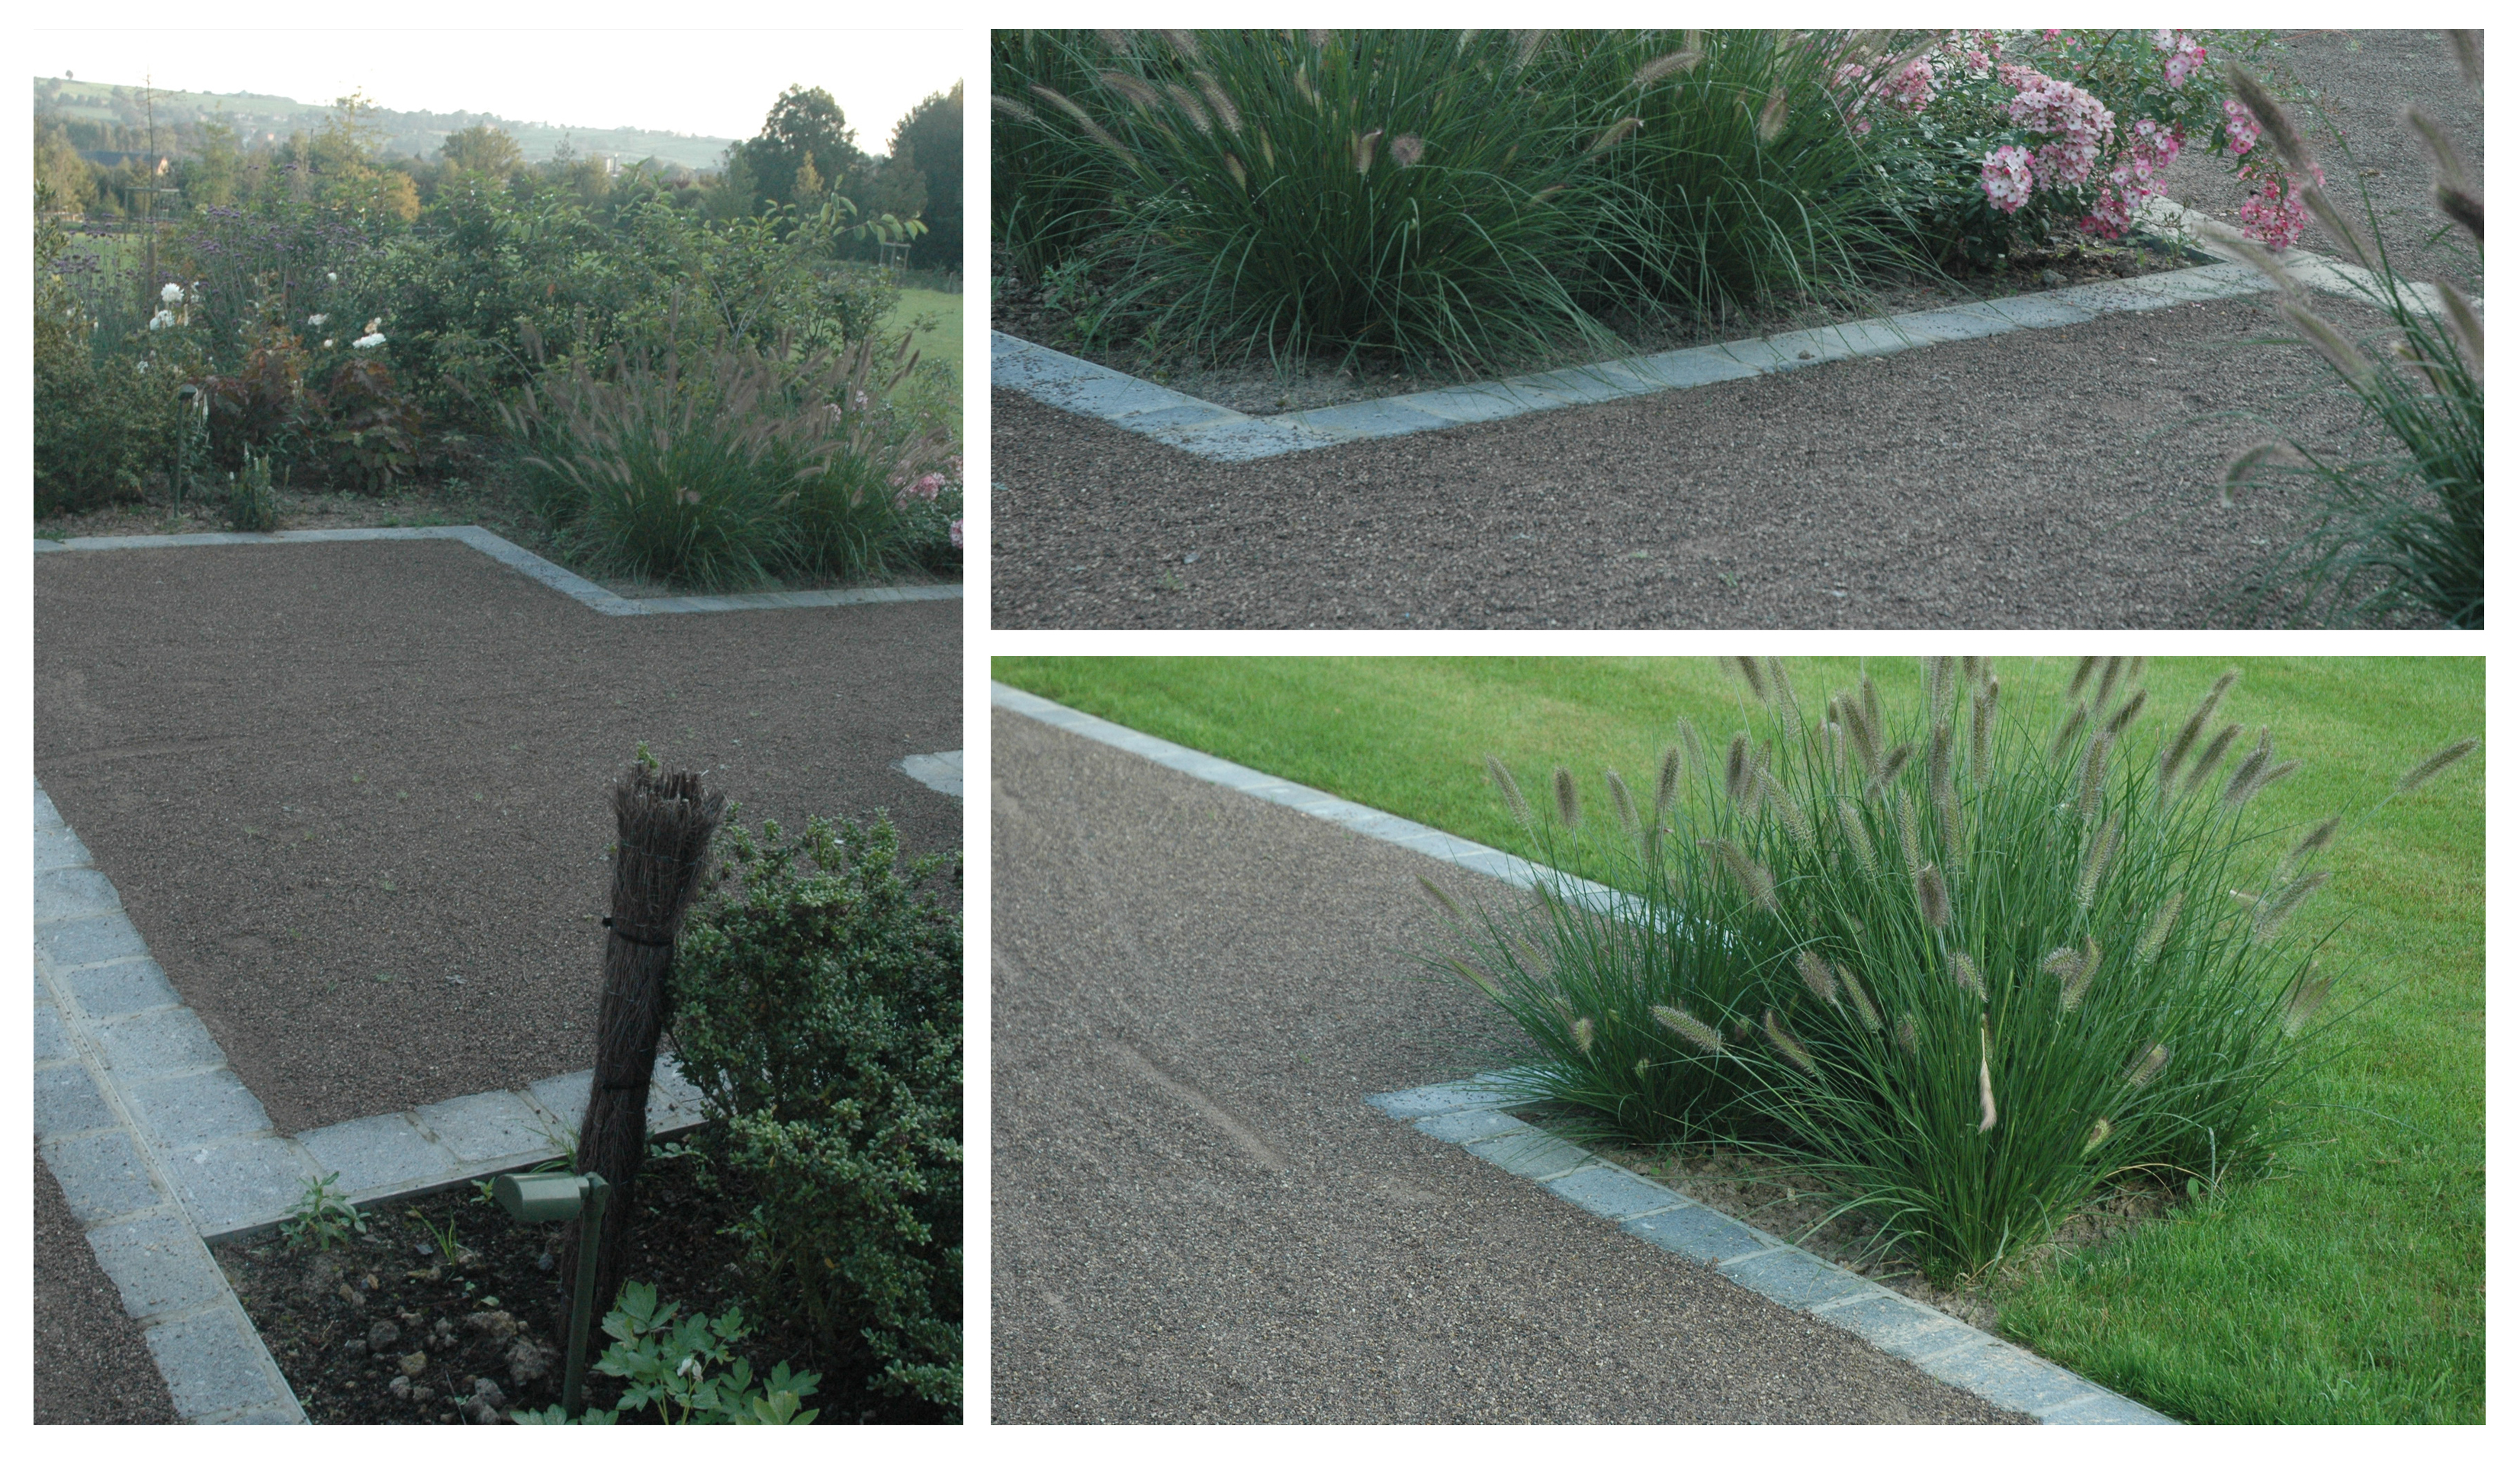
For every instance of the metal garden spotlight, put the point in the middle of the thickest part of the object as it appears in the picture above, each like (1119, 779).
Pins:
(557, 1197)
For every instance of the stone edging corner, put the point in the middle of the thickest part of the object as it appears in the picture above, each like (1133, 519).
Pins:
(1469, 1114)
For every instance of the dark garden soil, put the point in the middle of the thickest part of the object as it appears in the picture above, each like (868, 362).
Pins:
(355, 795)
(387, 1329)
(1254, 386)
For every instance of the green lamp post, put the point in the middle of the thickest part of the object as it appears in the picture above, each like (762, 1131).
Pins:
(557, 1197)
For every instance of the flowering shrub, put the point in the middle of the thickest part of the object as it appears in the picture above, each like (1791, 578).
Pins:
(1994, 141)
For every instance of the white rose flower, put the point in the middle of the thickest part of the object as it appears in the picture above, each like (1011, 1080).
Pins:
(172, 293)
(332, 278)
(317, 319)
(161, 319)
(368, 341)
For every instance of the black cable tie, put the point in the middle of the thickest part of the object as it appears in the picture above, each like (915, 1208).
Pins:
(629, 938)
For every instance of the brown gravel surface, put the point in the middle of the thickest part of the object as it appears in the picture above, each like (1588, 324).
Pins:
(355, 795)
(1196, 1218)
(91, 1366)
(2361, 80)
(2021, 481)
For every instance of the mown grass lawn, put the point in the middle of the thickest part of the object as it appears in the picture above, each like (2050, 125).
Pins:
(936, 321)
(2350, 1287)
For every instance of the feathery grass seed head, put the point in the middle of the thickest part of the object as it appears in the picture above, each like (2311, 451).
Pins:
(1789, 811)
(1816, 976)
(1965, 973)
(2307, 996)
(1745, 871)
(1622, 804)
(2209, 758)
(1933, 899)
(1689, 1028)
(1859, 841)
(2272, 912)
(2244, 776)
(1581, 1032)
(1863, 1002)
(1667, 785)
(1511, 791)
(2096, 776)
(2127, 712)
(1787, 1047)
(2067, 732)
(2095, 864)
(2435, 764)
(2147, 1065)
(1443, 900)
(1570, 811)
(2157, 932)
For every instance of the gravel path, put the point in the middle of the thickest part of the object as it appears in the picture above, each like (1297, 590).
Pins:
(91, 1365)
(2361, 80)
(2018, 481)
(1195, 1217)
(355, 795)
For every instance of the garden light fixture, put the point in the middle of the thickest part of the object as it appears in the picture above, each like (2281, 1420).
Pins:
(557, 1197)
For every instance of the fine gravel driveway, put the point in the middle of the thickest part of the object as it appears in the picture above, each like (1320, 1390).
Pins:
(355, 795)
(1195, 1217)
(2023, 480)
(92, 1368)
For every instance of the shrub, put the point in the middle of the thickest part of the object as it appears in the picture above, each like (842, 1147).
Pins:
(251, 506)
(109, 413)
(818, 1002)
(1960, 967)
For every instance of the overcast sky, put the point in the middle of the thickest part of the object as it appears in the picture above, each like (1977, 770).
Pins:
(523, 62)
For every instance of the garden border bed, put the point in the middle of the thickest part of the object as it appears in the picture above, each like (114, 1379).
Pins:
(1219, 434)
(1466, 1113)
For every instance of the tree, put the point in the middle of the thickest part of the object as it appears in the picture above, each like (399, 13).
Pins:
(803, 122)
(483, 149)
(930, 140)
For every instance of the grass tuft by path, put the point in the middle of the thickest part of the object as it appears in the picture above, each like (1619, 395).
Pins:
(2350, 1287)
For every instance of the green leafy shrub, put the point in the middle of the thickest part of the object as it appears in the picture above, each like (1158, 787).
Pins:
(1963, 968)
(686, 1369)
(818, 1003)
(322, 1217)
(108, 413)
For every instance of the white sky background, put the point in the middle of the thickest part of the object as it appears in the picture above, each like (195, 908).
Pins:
(527, 61)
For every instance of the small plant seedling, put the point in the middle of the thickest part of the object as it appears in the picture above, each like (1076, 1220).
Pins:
(322, 1217)
(357, 777)
(448, 1243)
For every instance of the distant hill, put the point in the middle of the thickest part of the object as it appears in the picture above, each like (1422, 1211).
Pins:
(262, 120)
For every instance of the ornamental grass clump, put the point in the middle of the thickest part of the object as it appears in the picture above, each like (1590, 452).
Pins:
(1308, 192)
(2402, 533)
(1965, 964)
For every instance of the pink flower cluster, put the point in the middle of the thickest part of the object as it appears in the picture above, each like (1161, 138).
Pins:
(2006, 178)
(2077, 121)
(2275, 216)
(1911, 90)
(2241, 125)
(2151, 148)
(2184, 56)
(924, 489)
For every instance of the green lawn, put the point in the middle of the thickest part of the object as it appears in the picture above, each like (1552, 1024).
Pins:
(940, 321)
(2348, 1289)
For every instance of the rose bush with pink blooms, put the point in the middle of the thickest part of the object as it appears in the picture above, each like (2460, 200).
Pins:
(930, 505)
(1993, 141)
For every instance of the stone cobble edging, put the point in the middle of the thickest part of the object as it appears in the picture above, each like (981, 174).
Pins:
(1469, 1114)
(161, 1149)
(533, 566)
(1220, 433)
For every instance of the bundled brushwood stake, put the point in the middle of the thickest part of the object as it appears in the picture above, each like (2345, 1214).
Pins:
(665, 823)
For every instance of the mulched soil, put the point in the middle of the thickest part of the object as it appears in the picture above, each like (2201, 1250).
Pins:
(355, 795)
(387, 1330)
(1257, 388)
(92, 1368)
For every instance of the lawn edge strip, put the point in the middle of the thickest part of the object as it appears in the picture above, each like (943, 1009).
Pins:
(527, 561)
(1217, 432)
(160, 1150)
(1470, 1114)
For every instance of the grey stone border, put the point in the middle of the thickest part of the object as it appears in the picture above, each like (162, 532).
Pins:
(940, 772)
(161, 1149)
(533, 566)
(1469, 1114)
(1219, 434)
